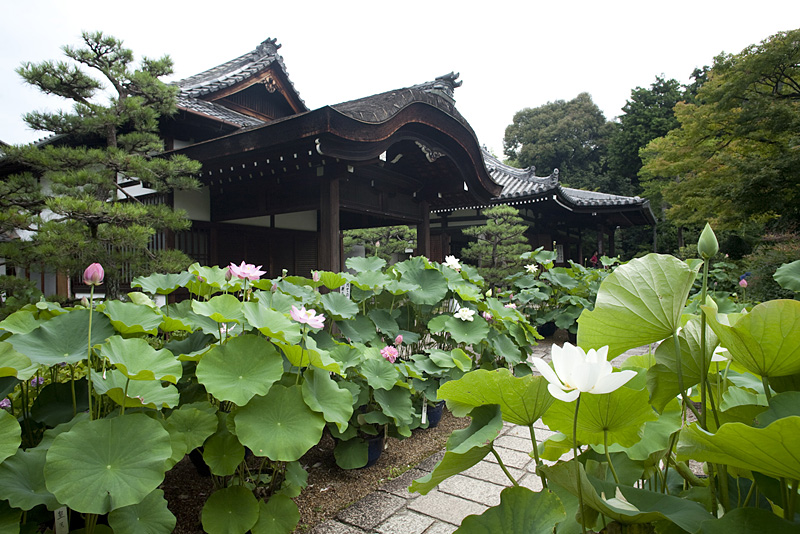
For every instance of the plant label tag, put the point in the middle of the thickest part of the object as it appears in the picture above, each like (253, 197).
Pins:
(424, 413)
(62, 521)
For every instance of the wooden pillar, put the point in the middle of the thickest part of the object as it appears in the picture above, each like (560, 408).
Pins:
(424, 232)
(612, 247)
(330, 258)
(600, 232)
(581, 258)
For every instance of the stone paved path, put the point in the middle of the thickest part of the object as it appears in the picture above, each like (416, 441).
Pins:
(392, 509)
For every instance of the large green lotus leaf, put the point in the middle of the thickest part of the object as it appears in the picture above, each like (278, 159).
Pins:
(621, 413)
(766, 341)
(396, 403)
(245, 366)
(222, 309)
(151, 516)
(181, 317)
(211, 275)
(12, 363)
(299, 356)
(359, 329)
(22, 480)
(469, 332)
(651, 506)
(399, 287)
(9, 435)
(380, 374)
(369, 280)
(232, 510)
(385, 320)
(442, 359)
(279, 426)
(486, 424)
(332, 280)
(523, 401)
(452, 464)
(322, 394)
(773, 450)
(141, 393)
(352, 453)
(99, 466)
(788, 276)
(782, 405)
(63, 338)
(53, 405)
(192, 347)
(438, 323)
(748, 521)
(339, 306)
(138, 360)
(223, 453)
(193, 426)
(279, 515)
(521, 511)
(432, 286)
(503, 346)
(130, 318)
(272, 323)
(639, 303)
(20, 322)
(162, 284)
(295, 480)
(9, 518)
(362, 265)
(655, 436)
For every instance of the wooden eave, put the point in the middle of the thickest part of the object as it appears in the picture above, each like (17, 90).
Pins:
(271, 74)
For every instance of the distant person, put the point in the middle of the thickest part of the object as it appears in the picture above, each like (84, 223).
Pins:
(593, 260)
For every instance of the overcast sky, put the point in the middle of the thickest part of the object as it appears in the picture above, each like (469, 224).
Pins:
(511, 55)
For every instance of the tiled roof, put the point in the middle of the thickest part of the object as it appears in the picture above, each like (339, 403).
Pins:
(225, 75)
(380, 107)
(520, 183)
(217, 111)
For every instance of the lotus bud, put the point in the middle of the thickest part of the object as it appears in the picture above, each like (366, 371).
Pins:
(707, 245)
(743, 283)
(93, 275)
(399, 339)
(84, 302)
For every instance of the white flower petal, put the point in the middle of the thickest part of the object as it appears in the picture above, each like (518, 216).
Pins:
(566, 396)
(612, 382)
(547, 372)
(585, 377)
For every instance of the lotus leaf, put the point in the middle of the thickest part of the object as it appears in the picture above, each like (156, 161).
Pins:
(151, 516)
(99, 466)
(323, 395)
(245, 366)
(222, 309)
(22, 480)
(521, 511)
(279, 515)
(231, 510)
(130, 318)
(137, 360)
(223, 453)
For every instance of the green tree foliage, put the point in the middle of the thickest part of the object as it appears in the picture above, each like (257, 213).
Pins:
(500, 243)
(382, 242)
(734, 158)
(645, 116)
(570, 136)
(89, 217)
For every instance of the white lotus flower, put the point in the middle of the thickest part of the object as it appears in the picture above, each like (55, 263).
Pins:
(531, 268)
(465, 314)
(579, 372)
(719, 355)
(619, 501)
(452, 262)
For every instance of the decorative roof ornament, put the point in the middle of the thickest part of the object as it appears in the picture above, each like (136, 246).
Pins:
(431, 154)
(267, 48)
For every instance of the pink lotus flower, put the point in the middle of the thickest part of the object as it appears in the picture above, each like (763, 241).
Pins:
(246, 271)
(93, 275)
(399, 339)
(742, 283)
(315, 276)
(487, 316)
(390, 353)
(511, 305)
(5, 403)
(308, 317)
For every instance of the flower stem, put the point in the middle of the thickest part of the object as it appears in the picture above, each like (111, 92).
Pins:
(577, 464)
(536, 457)
(765, 382)
(608, 456)
(503, 467)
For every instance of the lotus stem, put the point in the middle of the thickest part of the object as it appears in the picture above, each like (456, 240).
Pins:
(608, 456)
(72, 388)
(89, 355)
(678, 361)
(750, 493)
(765, 382)
(792, 499)
(705, 365)
(577, 464)
(125, 397)
(536, 456)
(503, 467)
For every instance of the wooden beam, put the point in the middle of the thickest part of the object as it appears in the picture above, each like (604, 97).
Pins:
(424, 232)
(330, 258)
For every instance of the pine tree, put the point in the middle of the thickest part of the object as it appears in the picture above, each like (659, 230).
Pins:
(89, 216)
(500, 243)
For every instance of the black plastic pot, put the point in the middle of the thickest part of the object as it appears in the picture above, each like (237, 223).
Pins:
(547, 329)
(435, 414)
(374, 450)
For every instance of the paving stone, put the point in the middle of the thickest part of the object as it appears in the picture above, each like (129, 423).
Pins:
(491, 472)
(514, 442)
(405, 522)
(445, 507)
(441, 528)
(479, 491)
(399, 486)
(510, 457)
(430, 462)
(519, 431)
(371, 510)
(531, 481)
(334, 527)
